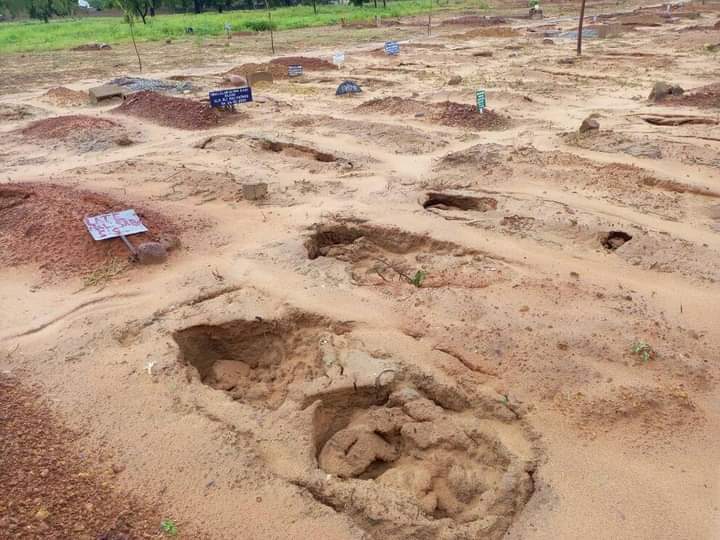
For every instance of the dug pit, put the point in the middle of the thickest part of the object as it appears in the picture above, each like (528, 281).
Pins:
(257, 360)
(403, 463)
(383, 256)
(448, 201)
(614, 239)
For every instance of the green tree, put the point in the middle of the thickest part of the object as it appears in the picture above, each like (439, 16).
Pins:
(45, 9)
(129, 9)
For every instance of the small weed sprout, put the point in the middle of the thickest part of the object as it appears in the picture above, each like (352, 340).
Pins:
(418, 278)
(168, 527)
(643, 350)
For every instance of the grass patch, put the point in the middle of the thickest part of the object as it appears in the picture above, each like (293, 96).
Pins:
(66, 33)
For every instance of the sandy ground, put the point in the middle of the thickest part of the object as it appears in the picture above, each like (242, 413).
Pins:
(424, 330)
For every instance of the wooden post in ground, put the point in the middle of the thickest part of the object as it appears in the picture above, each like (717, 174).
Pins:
(272, 38)
(580, 28)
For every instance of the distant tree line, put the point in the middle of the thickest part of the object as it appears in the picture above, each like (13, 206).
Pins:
(46, 9)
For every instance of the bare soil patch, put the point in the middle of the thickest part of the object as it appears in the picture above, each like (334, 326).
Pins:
(278, 66)
(66, 97)
(447, 113)
(43, 224)
(49, 490)
(179, 113)
(474, 20)
(308, 63)
(705, 97)
(379, 256)
(256, 361)
(64, 127)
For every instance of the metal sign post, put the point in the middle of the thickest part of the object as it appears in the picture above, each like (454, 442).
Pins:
(392, 48)
(480, 100)
(230, 97)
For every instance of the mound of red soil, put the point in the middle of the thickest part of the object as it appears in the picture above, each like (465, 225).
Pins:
(63, 127)
(447, 113)
(67, 97)
(170, 111)
(48, 489)
(43, 224)
(278, 66)
(279, 71)
(706, 97)
(454, 114)
(308, 64)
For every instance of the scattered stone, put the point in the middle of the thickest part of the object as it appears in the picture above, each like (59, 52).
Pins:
(117, 468)
(254, 192)
(139, 84)
(151, 253)
(168, 41)
(123, 140)
(455, 80)
(42, 514)
(105, 92)
(567, 61)
(486, 54)
(589, 124)
(661, 90)
(712, 47)
(548, 41)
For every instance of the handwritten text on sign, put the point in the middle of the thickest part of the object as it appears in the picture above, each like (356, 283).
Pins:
(230, 97)
(114, 224)
(295, 71)
(480, 99)
(392, 47)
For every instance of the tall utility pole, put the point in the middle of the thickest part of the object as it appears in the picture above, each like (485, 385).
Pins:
(580, 24)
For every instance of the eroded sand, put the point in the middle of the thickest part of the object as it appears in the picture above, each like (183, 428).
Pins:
(282, 377)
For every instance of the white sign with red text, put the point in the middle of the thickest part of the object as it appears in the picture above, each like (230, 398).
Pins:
(114, 224)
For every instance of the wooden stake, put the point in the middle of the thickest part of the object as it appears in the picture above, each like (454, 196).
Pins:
(580, 27)
(272, 38)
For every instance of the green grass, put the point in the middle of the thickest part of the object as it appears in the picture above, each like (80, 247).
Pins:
(66, 33)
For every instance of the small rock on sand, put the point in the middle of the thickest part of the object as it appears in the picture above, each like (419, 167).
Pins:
(589, 124)
(661, 90)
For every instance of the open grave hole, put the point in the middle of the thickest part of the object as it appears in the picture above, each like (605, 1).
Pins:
(404, 466)
(384, 256)
(447, 201)
(614, 239)
(230, 142)
(256, 360)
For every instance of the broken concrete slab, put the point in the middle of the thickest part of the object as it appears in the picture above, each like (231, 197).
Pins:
(105, 92)
(254, 192)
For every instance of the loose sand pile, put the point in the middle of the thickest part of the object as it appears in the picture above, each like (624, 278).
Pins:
(170, 111)
(71, 493)
(308, 64)
(43, 224)
(65, 97)
(447, 113)
(67, 127)
(705, 97)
